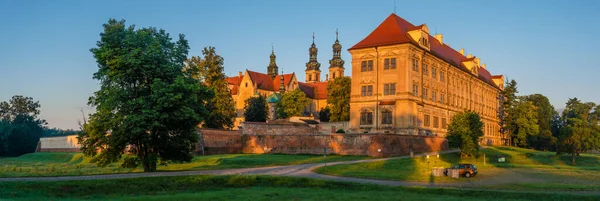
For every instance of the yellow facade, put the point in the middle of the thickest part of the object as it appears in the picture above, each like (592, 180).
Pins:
(406, 88)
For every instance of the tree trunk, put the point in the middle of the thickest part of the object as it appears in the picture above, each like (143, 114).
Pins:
(573, 158)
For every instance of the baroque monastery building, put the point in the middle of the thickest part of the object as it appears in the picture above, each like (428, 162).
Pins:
(272, 84)
(406, 81)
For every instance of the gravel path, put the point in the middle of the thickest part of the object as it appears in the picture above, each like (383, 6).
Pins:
(303, 170)
(306, 170)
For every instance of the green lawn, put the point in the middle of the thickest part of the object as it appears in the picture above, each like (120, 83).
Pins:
(247, 188)
(56, 164)
(523, 166)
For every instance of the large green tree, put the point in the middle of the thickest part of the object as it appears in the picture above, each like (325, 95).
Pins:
(464, 132)
(292, 103)
(338, 99)
(20, 128)
(509, 101)
(580, 131)
(545, 113)
(524, 123)
(147, 104)
(221, 107)
(256, 109)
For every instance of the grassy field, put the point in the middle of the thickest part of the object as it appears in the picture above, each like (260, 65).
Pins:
(523, 169)
(57, 164)
(247, 188)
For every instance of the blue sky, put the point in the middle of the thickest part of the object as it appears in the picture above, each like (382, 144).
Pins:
(549, 47)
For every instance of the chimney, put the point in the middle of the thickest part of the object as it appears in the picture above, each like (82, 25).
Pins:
(240, 74)
(469, 56)
(439, 37)
(483, 66)
(462, 51)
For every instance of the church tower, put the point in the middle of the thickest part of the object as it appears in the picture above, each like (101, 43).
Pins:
(272, 69)
(336, 64)
(313, 71)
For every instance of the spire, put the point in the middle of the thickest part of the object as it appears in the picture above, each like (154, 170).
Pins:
(313, 64)
(336, 61)
(282, 85)
(272, 69)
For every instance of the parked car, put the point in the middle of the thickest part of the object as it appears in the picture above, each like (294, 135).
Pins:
(467, 170)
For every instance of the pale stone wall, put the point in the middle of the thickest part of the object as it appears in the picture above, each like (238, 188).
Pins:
(332, 127)
(62, 143)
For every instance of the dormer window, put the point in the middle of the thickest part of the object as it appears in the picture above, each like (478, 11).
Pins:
(424, 42)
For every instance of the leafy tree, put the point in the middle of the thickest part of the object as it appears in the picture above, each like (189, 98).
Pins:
(546, 113)
(221, 107)
(292, 103)
(579, 131)
(19, 105)
(256, 109)
(20, 129)
(324, 114)
(194, 66)
(464, 132)
(147, 104)
(509, 101)
(338, 97)
(524, 123)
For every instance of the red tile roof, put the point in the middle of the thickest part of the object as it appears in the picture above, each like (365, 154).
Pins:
(307, 89)
(393, 30)
(287, 78)
(235, 81)
(320, 90)
(262, 81)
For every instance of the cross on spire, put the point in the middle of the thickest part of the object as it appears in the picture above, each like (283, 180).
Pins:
(313, 37)
(336, 34)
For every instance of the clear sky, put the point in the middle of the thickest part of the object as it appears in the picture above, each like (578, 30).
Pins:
(549, 47)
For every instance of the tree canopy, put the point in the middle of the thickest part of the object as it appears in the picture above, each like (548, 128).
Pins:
(580, 131)
(147, 104)
(292, 103)
(256, 109)
(464, 132)
(509, 101)
(221, 107)
(338, 98)
(523, 123)
(20, 128)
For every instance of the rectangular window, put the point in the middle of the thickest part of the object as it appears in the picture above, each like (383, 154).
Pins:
(444, 125)
(366, 118)
(433, 95)
(367, 90)
(425, 95)
(389, 63)
(442, 98)
(425, 69)
(426, 120)
(389, 89)
(415, 90)
(442, 78)
(433, 73)
(436, 122)
(370, 65)
(363, 66)
(386, 117)
(415, 65)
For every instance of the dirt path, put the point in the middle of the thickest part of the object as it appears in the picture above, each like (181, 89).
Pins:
(303, 170)
(505, 176)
